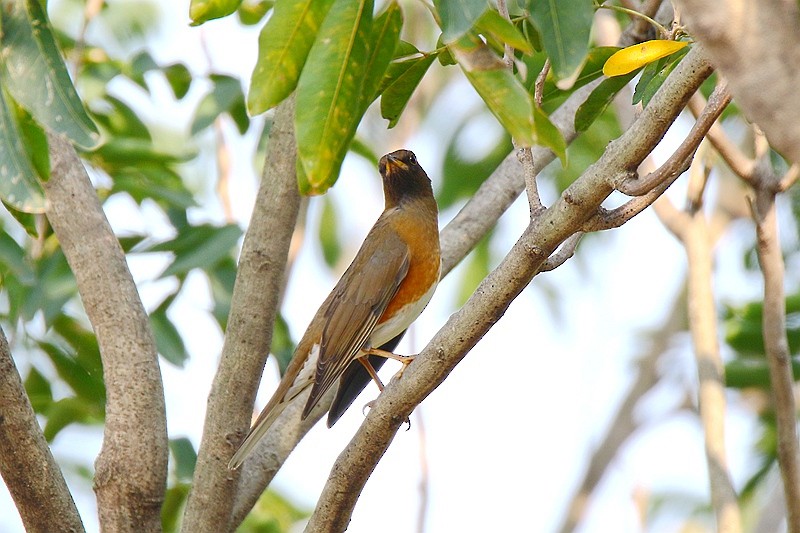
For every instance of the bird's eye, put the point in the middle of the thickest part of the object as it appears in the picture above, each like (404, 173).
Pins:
(412, 159)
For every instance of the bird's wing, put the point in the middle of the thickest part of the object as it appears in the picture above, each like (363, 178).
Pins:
(372, 280)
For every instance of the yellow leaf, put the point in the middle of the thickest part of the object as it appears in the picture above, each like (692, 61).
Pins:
(630, 58)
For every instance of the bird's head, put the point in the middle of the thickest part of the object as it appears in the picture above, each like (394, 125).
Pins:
(403, 178)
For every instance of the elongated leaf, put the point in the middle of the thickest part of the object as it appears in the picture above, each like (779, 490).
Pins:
(492, 23)
(19, 185)
(383, 45)
(404, 56)
(592, 69)
(548, 135)
(565, 28)
(503, 93)
(201, 11)
(457, 17)
(199, 247)
(283, 46)
(168, 340)
(226, 97)
(646, 90)
(636, 56)
(599, 100)
(396, 96)
(35, 75)
(329, 93)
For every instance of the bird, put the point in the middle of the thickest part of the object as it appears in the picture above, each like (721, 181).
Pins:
(390, 281)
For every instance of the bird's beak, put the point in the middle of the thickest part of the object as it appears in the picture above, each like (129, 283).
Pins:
(393, 165)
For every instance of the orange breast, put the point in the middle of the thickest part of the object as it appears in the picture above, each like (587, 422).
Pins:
(422, 236)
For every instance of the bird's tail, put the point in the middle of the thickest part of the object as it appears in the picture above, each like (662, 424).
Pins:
(294, 382)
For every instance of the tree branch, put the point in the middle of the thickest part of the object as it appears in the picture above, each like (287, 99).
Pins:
(777, 348)
(692, 229)
(131, 470)
(496, 292)
(28, 468)
(259, 279)
(746, 41)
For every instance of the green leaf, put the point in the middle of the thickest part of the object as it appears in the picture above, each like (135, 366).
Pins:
(179, 78)
(39, 390)
(744, 373)
(185, 458)
(383, 44)
(457, 17)
(13, 261)
(19, 184)
(221, 278)
(599, 100)
(168, 340)
(329, 93)
(503, 93)
(404, 56)
(34, 73)
(592, 69)
(141, 63)
(118, 118)
(27, 220)
(201, 11)
(396, 95)
(329, 233)
(172, 508)
(70, 411)
(226, 97)
(86, 385)
(283, 46)
(251, 13)
(645, 91)
(565, 28)
(499, 27)
(199, 247)
(282, 345)
(547, 134)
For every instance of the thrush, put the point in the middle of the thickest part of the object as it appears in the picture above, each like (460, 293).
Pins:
(385, 288)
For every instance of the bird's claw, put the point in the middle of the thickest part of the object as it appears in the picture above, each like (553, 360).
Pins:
(371, 403)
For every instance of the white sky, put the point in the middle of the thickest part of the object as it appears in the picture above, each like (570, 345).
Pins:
(500, 457)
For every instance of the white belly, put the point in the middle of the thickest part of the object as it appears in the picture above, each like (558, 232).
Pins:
(403, 318)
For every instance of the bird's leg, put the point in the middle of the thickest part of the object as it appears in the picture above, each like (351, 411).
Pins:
(371, 371)
(405, 359)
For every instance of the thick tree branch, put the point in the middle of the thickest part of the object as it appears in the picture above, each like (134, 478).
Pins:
(747, 41)
(131, 470)
(247, 340)
(28, 468)
(496, 292)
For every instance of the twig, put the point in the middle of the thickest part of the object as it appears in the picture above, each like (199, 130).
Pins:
(247, 341)
(538, 86)
(740, 164)
(28, 468)
(130, 477)
(790, 178)
(529, 171)
(508, 50)
(565, 252)
(776, 345)
(719, 99)
(223, 171)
